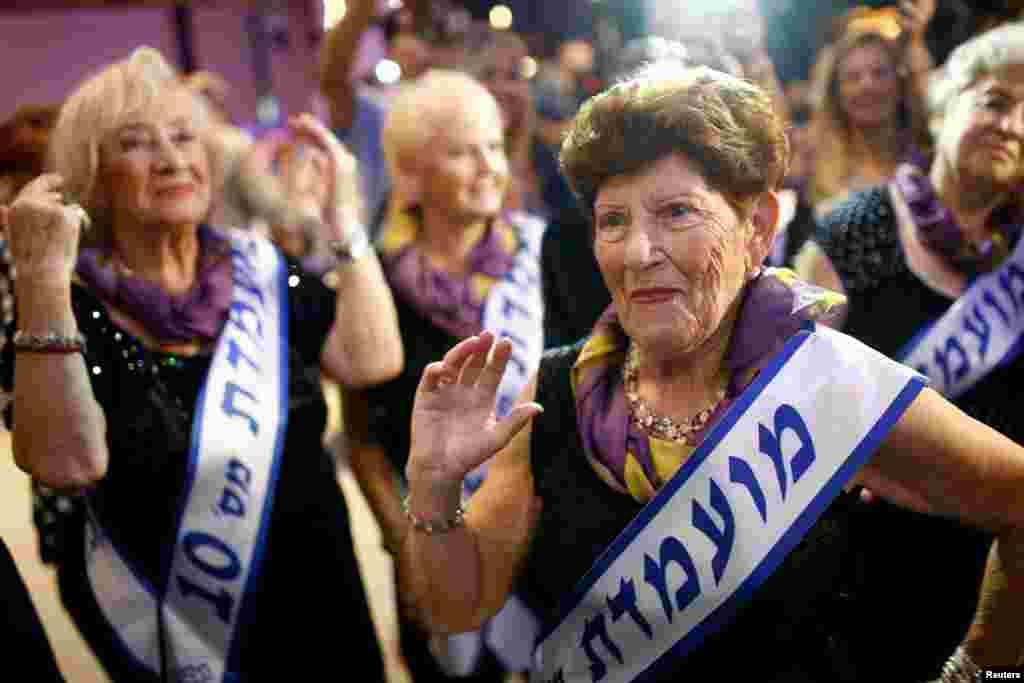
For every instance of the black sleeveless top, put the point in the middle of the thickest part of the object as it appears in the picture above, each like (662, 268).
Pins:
(791, 630)
(917, 576)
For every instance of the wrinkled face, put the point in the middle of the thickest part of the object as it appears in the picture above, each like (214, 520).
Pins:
(869, 87)
(465, 174)
(153, 166)
(983, 130)
(673, 252)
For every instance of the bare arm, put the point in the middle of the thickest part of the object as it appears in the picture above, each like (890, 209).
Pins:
(59, 429)
(938, 460)
(364, 346)
(464, 576)
(338, 54)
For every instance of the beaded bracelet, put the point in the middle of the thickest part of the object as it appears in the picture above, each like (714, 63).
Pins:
(429, 526)
(49, 343)
(960, 668)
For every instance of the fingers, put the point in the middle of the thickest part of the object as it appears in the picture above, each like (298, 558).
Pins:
(42, 186)
(514, 422)
(435, 375)
(490, 376)
(471, 368)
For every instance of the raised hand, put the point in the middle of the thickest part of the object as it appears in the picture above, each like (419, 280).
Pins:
(43, 233)
(915, 15)
(454, 428)
(342, 197)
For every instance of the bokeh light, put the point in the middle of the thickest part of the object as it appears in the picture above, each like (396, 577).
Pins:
(500, 17)
(388, 72)
(334, 11)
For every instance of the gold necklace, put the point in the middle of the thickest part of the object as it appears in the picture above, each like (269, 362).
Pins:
(661, 426)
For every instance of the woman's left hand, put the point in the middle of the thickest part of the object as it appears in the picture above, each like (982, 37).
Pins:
(342, 199)
(454, 427)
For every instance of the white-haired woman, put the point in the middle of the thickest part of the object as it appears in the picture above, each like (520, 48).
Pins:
(931, 265)
(457, 263)
(165, 374)
(678, 501)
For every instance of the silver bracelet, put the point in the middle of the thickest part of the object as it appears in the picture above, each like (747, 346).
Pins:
(960, 668)
(352, 249)
(48, 343)
(432, 526)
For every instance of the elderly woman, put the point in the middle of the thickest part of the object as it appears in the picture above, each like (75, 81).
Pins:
(167, 376)
(938, 247)
(677, 506)
(457, 263)
(869, 114)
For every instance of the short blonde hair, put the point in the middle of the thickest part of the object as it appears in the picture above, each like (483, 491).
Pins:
(422, 108)
(96, 107)
(980, 56)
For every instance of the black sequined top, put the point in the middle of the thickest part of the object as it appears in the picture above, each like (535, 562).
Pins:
(309, 575)
(791, 630)
(917, 576)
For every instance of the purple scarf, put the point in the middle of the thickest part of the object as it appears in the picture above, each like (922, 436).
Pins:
(776, 304)
(196, 315)
(939, 231)
(453, 303)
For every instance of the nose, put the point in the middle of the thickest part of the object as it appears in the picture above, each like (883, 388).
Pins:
(1013, 122)
(170, 158)
(642, 248)
(490, 161)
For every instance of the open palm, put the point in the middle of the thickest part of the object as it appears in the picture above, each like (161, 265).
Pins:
(454, 428)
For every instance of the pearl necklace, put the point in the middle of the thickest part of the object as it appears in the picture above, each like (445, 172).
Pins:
(661, 426)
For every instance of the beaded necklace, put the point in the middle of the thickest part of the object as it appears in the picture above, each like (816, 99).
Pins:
(661, 426)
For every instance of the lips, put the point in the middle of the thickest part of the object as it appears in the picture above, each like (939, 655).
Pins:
(652, 295)
(176, 191)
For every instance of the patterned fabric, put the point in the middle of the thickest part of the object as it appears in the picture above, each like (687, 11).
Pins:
(452, 302)
(776, 306)
(198, 314)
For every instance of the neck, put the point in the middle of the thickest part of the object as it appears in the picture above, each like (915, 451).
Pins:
(678, 381)
(876, 146)
(165, 256)
(447, 241)
(970, 200)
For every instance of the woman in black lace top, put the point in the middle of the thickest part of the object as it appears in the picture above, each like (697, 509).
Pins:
(904, 253)
(166, 375)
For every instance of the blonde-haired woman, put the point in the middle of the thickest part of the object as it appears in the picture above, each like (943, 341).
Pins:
(457, 262)
(869, 113)
(167, 376)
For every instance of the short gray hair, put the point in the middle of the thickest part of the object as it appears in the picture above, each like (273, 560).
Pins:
(980, 56)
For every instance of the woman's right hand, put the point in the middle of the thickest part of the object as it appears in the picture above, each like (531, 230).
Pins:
(454, 427)
(42, 233)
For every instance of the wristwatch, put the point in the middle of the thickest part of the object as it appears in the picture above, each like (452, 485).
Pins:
(352, 249)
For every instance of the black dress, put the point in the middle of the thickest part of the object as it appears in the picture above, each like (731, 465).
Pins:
(918, 576)
(792, 630)
(309, 599)
(24, 641)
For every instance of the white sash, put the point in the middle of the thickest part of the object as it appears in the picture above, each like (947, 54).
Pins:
(728, 518)
(514, 309)
(188, 629)
(981, 331)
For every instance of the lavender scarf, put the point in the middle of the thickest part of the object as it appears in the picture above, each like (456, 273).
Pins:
(196, 315)
(776, 304)
(453, 303)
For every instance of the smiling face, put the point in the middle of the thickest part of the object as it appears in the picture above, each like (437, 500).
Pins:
(983, 130)
(674, 253)
(153, 166)
(869, 87)
(465, 175)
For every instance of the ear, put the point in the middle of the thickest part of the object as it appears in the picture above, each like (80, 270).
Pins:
(408, 182)
(764, 220)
